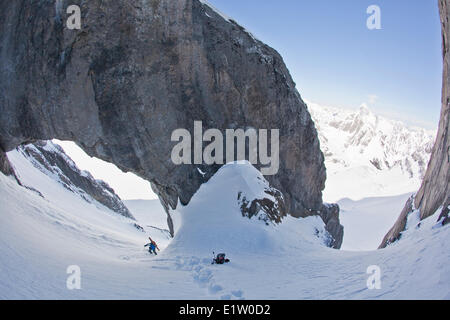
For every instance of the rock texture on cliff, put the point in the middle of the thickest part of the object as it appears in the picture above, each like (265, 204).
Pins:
(434, 192)
(135, 72)
(52, 160)
(5, 166)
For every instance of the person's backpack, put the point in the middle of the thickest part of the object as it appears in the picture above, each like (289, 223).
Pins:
(220, 259)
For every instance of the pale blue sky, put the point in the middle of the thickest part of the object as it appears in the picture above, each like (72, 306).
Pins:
(335, 60)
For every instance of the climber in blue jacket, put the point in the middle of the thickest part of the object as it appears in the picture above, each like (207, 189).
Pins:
(152, 246)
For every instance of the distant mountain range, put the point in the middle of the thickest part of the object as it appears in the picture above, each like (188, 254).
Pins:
(387, 156)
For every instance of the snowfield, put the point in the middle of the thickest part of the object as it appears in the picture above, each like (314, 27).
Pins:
(41, 236)
(368, 220)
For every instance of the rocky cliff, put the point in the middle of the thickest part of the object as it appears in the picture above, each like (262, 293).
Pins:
(136, 71)
(5, 166)
(51, 159)
(434, 192)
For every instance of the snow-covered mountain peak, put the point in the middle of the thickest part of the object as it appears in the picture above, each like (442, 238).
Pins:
(359, 140)
(366, 116)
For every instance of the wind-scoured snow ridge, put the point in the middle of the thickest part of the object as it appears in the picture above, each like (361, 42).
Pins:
(51, 160)
(386, 156)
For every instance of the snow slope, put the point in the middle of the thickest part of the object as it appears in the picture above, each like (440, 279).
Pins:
(367, 221)
(41, 237)
(151, 216)
(149, 211)
(213, 220)
(386, 157)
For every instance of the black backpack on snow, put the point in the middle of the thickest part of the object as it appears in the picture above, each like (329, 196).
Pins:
(220, 259)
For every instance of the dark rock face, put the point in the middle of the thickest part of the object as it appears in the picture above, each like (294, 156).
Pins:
(330, 216)
(268, 209)
(50, 158)
(394, 233)
(444, 216)
(135, 72)
(5, 166)
(435, 187)
(434, 191)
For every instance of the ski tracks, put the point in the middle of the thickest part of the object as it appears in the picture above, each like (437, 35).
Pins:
(202, 273)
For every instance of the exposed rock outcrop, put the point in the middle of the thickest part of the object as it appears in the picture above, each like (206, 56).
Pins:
(5, 166)
(394, 233)
(52, 160)
(434, 192)
(444, 216)
(136, 71)
(270, 208)
(330, 216)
